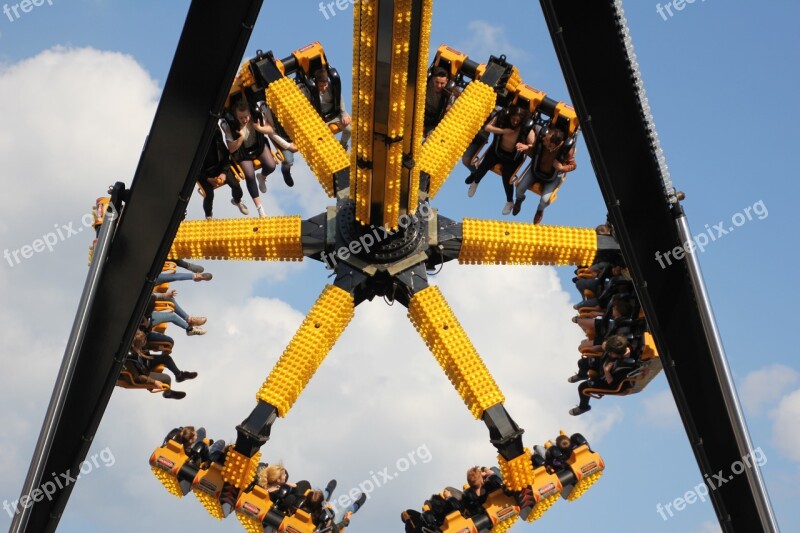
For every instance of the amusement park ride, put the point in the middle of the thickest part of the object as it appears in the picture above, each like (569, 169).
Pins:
(384, 235)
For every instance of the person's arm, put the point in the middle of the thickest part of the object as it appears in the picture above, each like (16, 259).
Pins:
(266, 129)
(232, 144)
(567, 166)
(607, 368)
(527, 146)
(279, 141)
(261, 125)
(491, 127)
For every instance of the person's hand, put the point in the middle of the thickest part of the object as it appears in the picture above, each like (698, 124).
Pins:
(158, 385)
(292, 148)
(172, 293)
(346, 120)
(447, 494)
(557, 165)
(521, 147)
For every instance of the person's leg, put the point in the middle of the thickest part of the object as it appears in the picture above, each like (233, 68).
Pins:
(178, 309)
(547, 193)
(167, 361)
(159, 317)
(208, 200)
(509, 166)
(356, 505)
(267, 161)
(169, 277)
(236, 192)
(477, 142)
(583, 367)
(249, 170)
(490, 159)
(347, 133)
(584, 399)
(250, 180)
(197, 269)
(286, 167)
(155, 336)
(522, 189)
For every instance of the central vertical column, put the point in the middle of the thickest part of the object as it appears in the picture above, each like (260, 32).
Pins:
(390, 43)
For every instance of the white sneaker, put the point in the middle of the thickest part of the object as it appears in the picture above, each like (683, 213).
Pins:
(508, 207)
(195, 330)
(472, 188)
(262, 182)
(242, 208)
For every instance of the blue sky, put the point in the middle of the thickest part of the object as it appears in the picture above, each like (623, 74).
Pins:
(720, 77)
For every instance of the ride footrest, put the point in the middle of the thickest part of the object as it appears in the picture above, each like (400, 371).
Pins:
(587, 467)
(166, 463)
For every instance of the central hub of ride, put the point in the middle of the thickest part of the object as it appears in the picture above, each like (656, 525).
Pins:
(374, 261)
(378, 245)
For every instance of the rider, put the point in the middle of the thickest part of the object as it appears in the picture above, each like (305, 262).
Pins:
(550, 163)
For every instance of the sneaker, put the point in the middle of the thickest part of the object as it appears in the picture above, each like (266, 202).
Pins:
(359, 503)
(330, 487)
(287, 178)
(507, 208)
(574, 379)
(537, 218)
(203, 276)
(197, 320)
(174, 394)
(472, 189)
(262, 182)
(242, 208)
(195, 330)
(183, 376)
(209, 218)
(517, 206)
(577, 411)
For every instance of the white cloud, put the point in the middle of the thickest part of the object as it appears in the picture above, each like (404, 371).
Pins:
(786, 429)
(764, 387)
(708, 527)
(659, 410)
(488, 39)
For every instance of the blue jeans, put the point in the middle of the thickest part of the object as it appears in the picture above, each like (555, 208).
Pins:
(159, 317)
(178, 309)
(167, 277)
(288, 161)
(528, 179)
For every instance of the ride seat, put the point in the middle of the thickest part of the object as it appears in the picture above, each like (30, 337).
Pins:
(587, 467)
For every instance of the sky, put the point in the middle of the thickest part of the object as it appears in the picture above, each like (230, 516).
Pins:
(81, 81)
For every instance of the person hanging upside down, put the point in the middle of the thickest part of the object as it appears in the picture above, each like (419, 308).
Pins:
(247, 144)
(549, 165)
(507, 149)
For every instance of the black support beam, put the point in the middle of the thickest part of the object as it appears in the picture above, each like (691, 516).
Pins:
(589, 42)
(211, 46)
